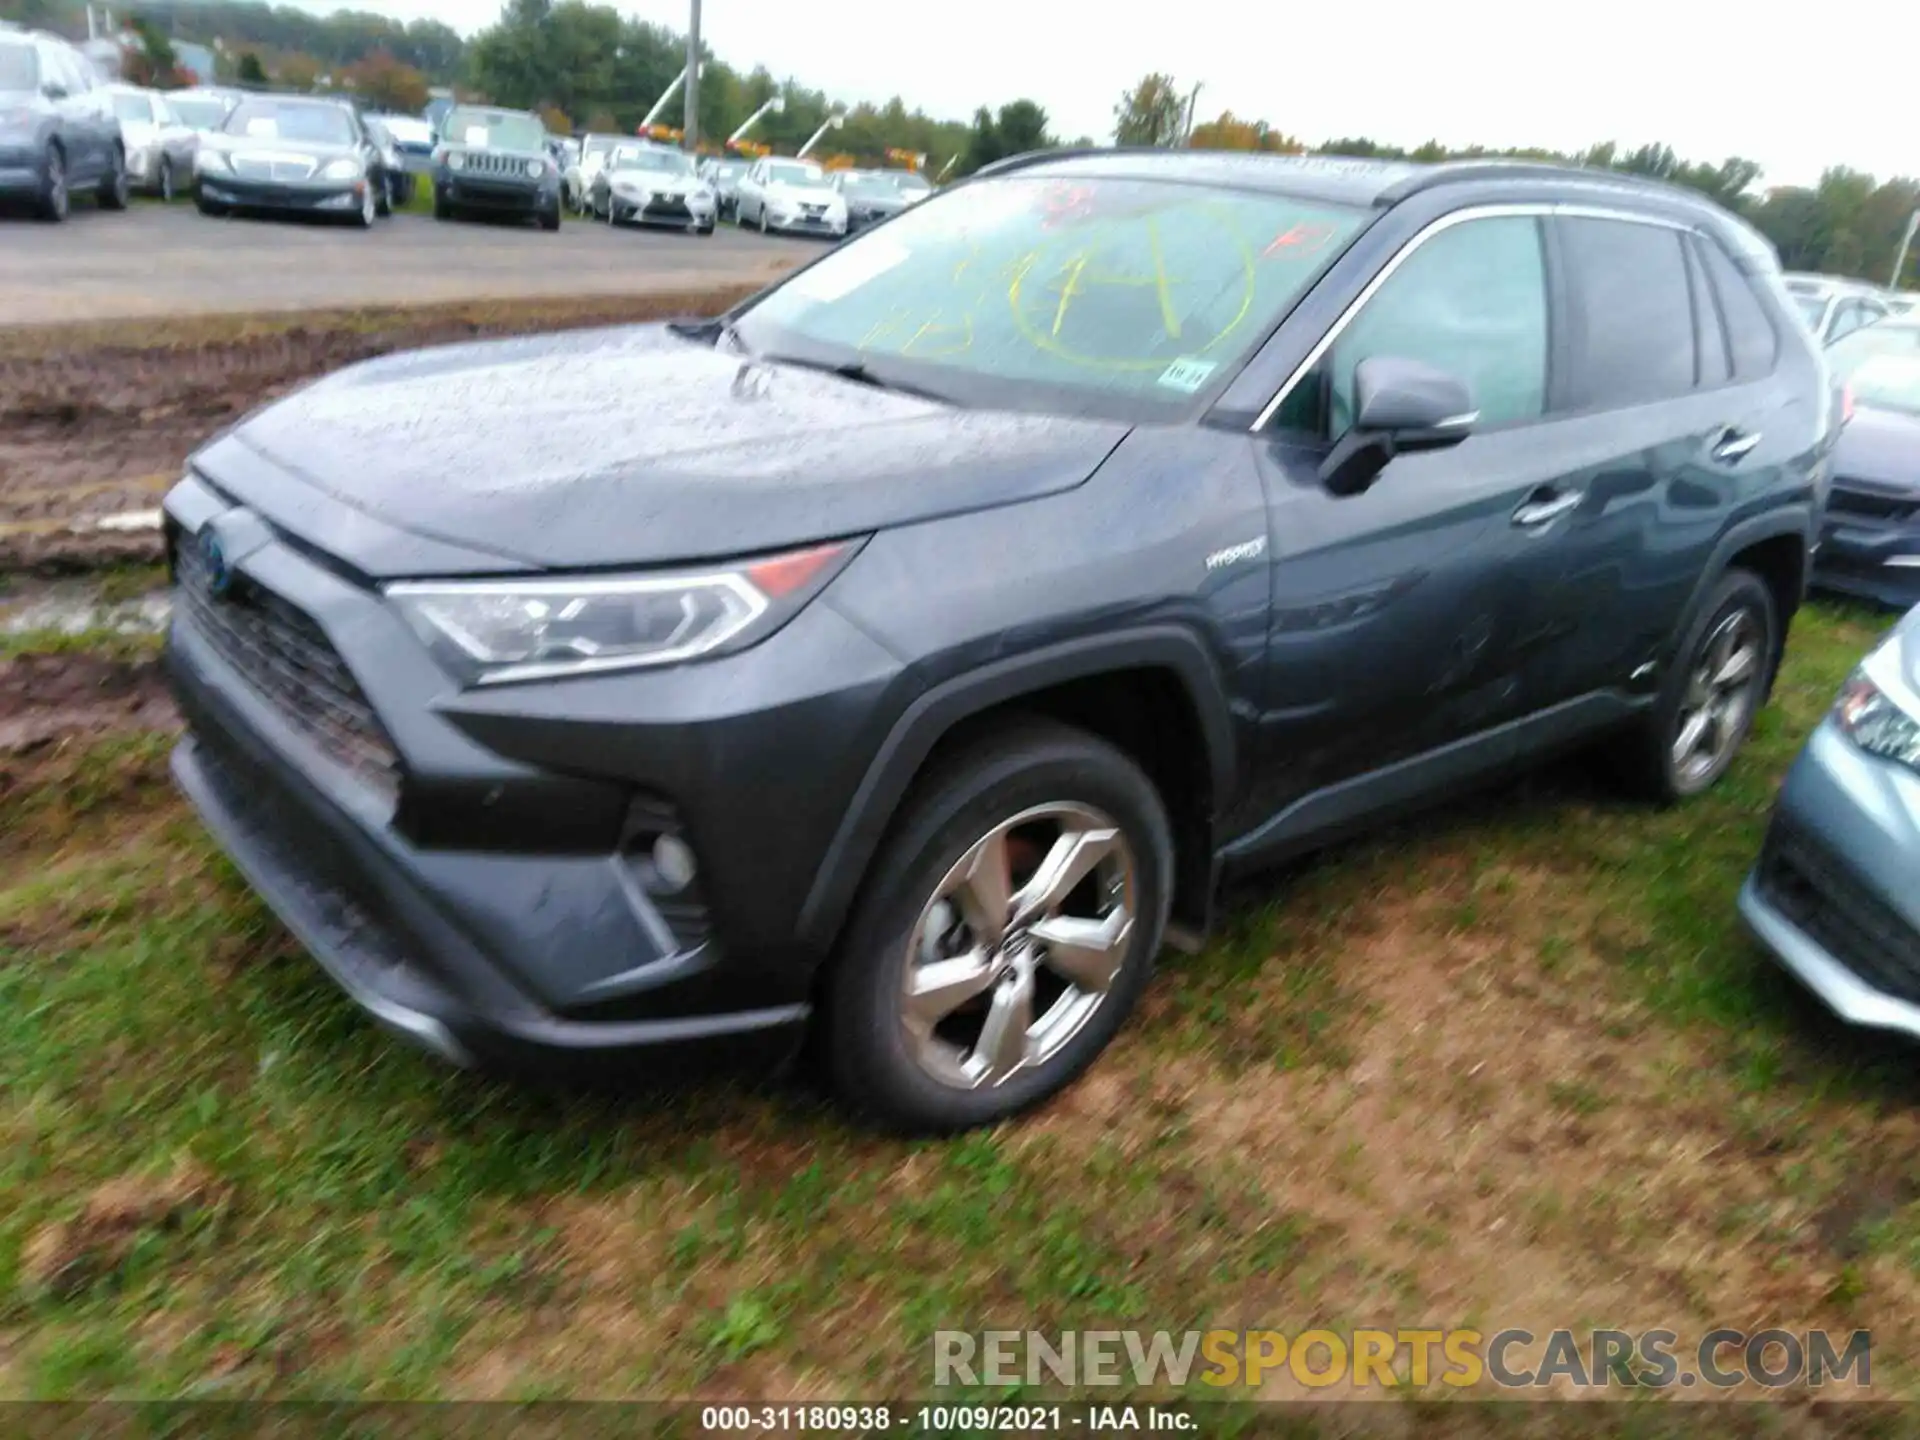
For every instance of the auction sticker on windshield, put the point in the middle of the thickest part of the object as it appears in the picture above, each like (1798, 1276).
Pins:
(1185, 374)
(844, 271)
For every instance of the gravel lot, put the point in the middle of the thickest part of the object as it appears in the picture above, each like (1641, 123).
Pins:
(169, 260)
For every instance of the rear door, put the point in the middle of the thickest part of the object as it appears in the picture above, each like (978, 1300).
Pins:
(1667, 429)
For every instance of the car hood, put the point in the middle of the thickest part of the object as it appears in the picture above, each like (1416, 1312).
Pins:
(629, 446)
(1880, 447)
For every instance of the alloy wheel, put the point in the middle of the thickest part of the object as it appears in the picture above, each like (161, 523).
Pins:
(1719, 698)
(1019, 945)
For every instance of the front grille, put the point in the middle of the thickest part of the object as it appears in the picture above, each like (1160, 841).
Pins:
(1867, 505)
(480, 162)
(288, 660)
(1801, 879)
(662, 209)
(284, 171)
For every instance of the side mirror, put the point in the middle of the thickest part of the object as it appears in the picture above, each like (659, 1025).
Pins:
(54, 90)
(1401, 407)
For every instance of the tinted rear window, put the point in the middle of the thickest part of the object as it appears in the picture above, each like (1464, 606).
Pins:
(1632, 313)
(19, 68)
(1750, 335)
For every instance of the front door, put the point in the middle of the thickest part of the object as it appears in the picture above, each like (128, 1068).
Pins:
(1400, 615)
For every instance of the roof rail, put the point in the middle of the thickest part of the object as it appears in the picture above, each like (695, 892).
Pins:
(1448, 172)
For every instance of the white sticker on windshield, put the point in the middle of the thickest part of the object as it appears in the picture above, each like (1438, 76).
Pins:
(1187, 374)
(263, 127)
(843, 271)
(476, 136)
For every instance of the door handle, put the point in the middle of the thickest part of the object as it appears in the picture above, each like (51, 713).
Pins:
(1546, 506)
(1735, 445)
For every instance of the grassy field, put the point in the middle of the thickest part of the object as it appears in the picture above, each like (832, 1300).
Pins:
(1514, 1065)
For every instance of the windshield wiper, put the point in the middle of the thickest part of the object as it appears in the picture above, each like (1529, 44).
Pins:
(712, 332)
(856, 371)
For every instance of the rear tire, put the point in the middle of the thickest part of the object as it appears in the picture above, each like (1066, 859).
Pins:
(1721, 675)
(1068, 797)
(112, 194)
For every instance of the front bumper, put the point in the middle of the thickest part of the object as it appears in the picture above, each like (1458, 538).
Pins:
(307, 198)
(673, 214)
(501, 195)
(494, 906)
(792, 224)
(1832, 896)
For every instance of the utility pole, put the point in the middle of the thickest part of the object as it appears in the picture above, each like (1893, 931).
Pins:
(690, 126)
(1192, 100)
(1906, 240)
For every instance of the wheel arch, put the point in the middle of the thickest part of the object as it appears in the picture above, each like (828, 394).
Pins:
(1155, 693)
(1776, 547)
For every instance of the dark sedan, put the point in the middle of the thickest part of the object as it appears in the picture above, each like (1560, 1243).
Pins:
(495, 162)
(291, 155)
(870, 198)
(1871, 544)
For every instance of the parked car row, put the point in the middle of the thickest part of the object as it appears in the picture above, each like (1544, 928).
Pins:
(1834, 307)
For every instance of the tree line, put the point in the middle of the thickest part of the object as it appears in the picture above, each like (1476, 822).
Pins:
(1849, 223)
(585, 66)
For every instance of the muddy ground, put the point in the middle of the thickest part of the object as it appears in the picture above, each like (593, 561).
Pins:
(96, 422)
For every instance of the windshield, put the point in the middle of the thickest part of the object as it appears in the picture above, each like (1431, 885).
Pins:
(647, 157)
(491, 130)
(1115, 297)
(275, 120)
(1881, 363)
(801, 177)
(911, 184)
(598, 145)
(202, 114)
(868, 185)
(132, 107)
(19, 68)
(1813, 309)
(729, 170)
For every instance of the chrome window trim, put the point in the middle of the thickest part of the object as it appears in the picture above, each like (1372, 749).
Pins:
(1535, 210)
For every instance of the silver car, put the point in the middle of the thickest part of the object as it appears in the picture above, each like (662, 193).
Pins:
(159, 145)
(652, 185)
(1833, 896)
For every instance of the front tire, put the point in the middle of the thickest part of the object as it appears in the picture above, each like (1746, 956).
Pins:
(369, 209)
(55, 200)
(441, 209)
(764, 228)
(166, 181)
(1006, 929)
(550, 219)
(1721, 675)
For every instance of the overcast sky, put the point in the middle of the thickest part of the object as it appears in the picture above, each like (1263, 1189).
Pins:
(1794, 89)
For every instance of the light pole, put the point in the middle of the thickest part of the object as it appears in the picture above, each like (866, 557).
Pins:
(834, 122)
(690, 127)
(1906, 240)
(774, 106)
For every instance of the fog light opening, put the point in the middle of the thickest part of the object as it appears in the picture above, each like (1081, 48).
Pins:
(673, 863)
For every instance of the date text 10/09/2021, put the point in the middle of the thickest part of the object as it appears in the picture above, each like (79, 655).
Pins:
(944, 1419)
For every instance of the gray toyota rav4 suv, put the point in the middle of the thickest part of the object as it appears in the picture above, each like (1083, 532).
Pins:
(900, 658)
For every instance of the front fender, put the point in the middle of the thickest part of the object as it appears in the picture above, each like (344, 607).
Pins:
(937, 711)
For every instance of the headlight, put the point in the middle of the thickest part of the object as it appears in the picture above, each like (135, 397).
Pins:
(341, 170)
(205, 160)
(494, 631)
(1875, 723)
(536, 168)
(456, 160)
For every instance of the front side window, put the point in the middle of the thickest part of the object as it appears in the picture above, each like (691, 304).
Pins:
(1104, 295)
(1470, 300)
(1632, 324)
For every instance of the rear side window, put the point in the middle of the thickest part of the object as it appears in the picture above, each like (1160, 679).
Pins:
(1632, 322)
(1472, 301)
(1751, 338)
(1716, 365)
